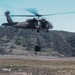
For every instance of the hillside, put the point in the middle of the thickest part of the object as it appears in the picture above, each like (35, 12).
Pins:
(55, 43)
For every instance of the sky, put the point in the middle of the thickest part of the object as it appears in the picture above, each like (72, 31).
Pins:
(65, 22)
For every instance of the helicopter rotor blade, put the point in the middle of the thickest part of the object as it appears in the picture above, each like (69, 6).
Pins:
(22, 15)
(32, 10)
(38, 15)
(59, 13)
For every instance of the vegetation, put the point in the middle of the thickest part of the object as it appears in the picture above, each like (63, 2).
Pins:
(61, 42)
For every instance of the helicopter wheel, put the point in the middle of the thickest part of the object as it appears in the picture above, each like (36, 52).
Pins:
(47, 31)
(38, 31)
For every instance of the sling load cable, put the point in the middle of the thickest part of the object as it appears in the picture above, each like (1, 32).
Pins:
(12, 41)
(37, 46)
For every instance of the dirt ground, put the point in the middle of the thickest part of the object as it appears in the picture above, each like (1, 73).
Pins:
(34, 65)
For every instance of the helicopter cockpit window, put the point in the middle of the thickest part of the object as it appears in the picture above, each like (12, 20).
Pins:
(39, 23)
(43, 23)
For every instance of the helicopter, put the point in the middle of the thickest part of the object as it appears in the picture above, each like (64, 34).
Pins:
(34, 23)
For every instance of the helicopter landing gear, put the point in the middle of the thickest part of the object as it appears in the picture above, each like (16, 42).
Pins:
(38, 31)
(47, 30)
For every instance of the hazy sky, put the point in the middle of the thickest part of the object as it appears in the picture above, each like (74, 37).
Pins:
(64, 22)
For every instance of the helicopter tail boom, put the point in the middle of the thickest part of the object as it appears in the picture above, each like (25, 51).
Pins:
(8, 24)
(9, 20)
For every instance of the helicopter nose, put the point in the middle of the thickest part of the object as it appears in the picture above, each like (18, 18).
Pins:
(50, 26)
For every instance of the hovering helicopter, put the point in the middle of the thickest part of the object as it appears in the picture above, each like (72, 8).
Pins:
(34, 23)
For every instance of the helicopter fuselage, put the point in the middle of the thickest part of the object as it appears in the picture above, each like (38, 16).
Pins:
(34, 23)
(30, 24)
